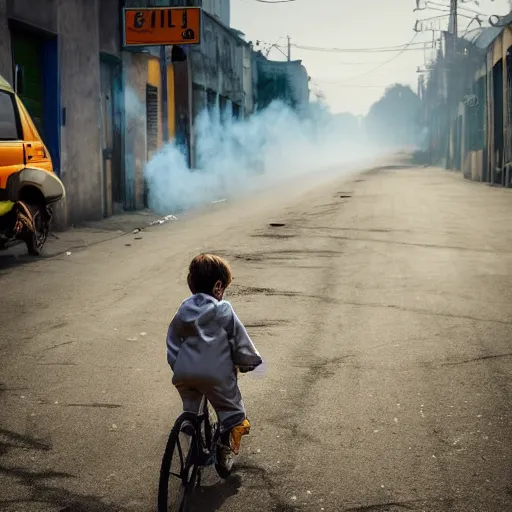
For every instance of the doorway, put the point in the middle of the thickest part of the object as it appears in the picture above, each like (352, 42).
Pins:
(35, 58)
(498, 122)
(113, 195)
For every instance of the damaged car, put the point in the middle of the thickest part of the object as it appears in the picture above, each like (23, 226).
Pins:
(28, 183)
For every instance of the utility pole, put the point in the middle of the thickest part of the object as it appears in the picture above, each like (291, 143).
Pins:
(289, 48)
(453, 21)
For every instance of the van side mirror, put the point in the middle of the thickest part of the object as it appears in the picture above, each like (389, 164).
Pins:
(18, 79)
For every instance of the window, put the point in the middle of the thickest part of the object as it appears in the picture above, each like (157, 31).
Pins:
(8, 120)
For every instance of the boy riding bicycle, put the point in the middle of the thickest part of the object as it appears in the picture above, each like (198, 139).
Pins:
(206, 345)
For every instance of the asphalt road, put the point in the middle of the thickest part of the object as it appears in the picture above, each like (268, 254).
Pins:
(383, 309)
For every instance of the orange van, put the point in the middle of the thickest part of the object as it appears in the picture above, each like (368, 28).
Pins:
(28, 184)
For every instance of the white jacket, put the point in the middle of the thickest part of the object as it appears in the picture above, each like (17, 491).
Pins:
(206, 341)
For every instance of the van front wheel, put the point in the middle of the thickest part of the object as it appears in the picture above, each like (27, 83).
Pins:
(35, 240)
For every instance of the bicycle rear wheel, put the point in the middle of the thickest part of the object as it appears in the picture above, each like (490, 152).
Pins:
(179, 468)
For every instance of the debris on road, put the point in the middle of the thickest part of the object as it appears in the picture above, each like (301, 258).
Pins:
(135, 231)
(159, 222)
(68, 253)
(220, 201)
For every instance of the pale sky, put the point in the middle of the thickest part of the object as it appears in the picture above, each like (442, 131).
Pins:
(347, 79)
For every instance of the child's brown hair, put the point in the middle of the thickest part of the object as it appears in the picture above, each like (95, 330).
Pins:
(205, 271)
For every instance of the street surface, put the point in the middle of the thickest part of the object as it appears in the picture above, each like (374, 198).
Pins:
(383, 310)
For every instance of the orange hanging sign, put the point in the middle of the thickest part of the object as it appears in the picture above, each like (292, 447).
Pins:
(162, 26)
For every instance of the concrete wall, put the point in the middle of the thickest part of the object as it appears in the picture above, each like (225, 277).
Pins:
(41, 14)
(109, 27)
(135, 71)
(299, 82)
(218, 63)
(472, 166)
(80, 92)
(220, 9)
(247, 80)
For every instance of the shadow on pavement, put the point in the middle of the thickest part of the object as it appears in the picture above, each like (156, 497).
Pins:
(211, 498)
(28, 488)
(10, 260)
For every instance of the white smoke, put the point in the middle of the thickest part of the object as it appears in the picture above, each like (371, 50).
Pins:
(237, 156)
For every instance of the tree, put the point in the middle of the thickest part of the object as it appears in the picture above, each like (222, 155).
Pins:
(394, 119)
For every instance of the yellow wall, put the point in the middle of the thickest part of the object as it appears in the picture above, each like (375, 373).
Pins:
(155, 79)
(171, 116)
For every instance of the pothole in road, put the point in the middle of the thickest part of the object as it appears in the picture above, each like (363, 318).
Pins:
(277, 224)
(344, 196)
(265, 325)
(238, 290)
(274, 236)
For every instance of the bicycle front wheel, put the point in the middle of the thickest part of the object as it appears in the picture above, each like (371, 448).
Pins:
(179, 468)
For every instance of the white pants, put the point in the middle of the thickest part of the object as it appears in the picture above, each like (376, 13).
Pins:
(226, 400)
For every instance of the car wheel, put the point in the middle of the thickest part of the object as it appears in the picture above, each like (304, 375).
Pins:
(35, 240)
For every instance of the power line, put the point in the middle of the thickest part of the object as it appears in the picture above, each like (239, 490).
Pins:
(448, 7)
(355, 50)
(385, 63)
(377, 49)
(356, 86)
(394, 48)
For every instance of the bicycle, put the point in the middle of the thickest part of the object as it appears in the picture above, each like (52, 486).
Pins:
(203, 433)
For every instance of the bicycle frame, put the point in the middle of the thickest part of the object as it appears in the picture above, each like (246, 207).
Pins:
(207, 453)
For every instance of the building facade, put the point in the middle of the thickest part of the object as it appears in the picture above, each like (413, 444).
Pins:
(468, 101)
(217, 68)
(280, 80)
(104, 110)
(98, 108)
